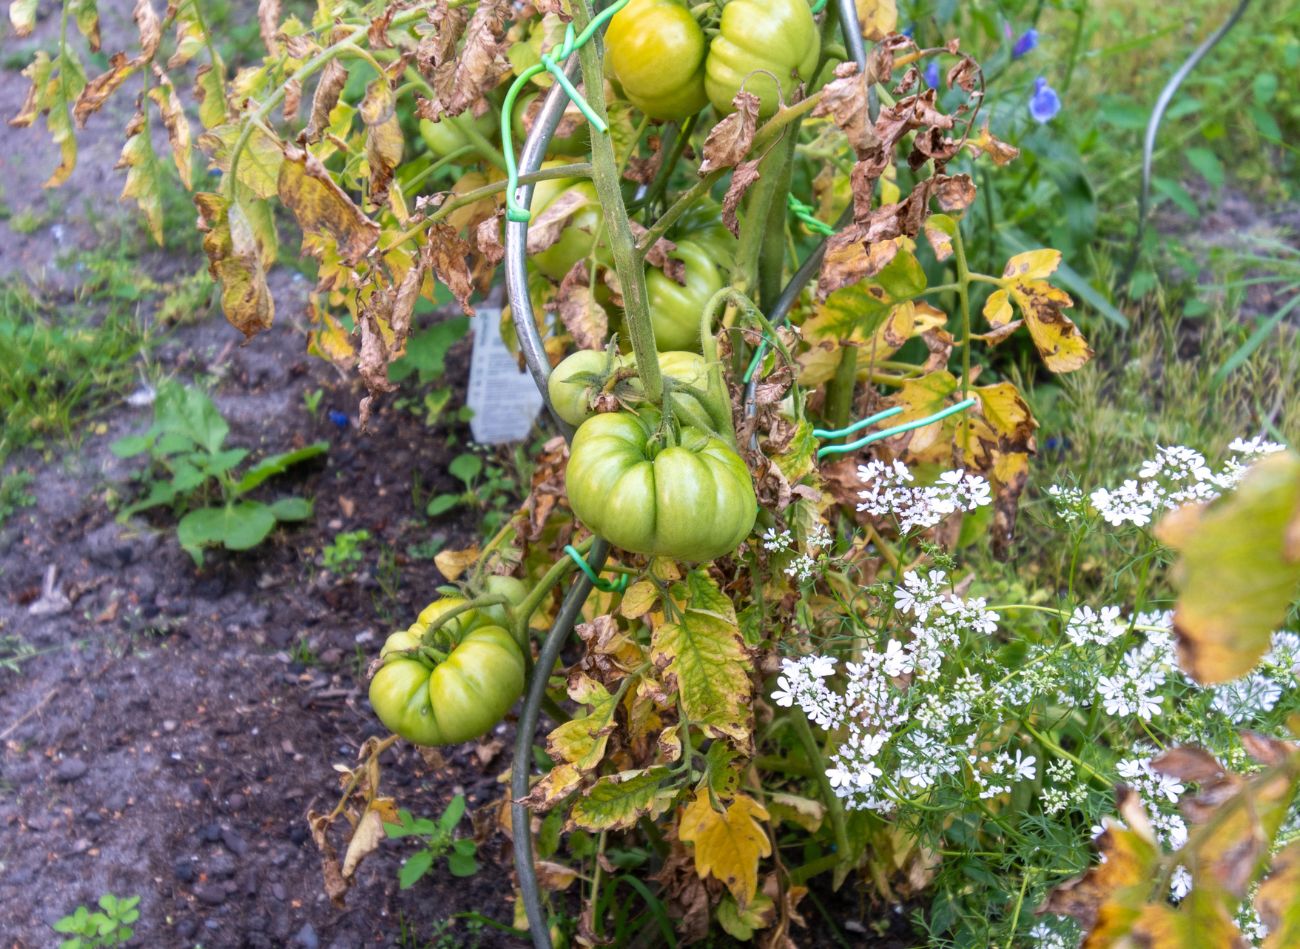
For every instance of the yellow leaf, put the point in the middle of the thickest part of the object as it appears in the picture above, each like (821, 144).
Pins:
(1238, 572)
(452, 563)
(728, 845)
(236, 261)
(22, 14)
(805, 812)
(177, 125)
(878, 18)
(1058, 341)
(143, 181)
(997, 308)
(617, 801)
(1032, 265)
(919, 398)
(323, 208)
(581, 741)
(1276, 900)
(638, 599)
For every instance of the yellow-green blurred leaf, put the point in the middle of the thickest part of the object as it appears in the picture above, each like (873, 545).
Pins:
(259, 163)
(210, 89)
(1239, 570)
(143, 175)
(1278, 899)
(879, 18)
(177, 125)
(1032, 265)
(323, 209)
(235, 261)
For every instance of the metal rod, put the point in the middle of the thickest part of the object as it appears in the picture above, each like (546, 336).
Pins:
(521, 768)
(521, 304)
(1153, 128)
(852, 29)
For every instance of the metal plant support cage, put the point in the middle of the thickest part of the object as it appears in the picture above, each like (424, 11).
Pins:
(534, 353)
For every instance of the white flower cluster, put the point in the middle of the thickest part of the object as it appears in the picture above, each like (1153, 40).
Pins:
(806, 565)
(1068, 502)
(884, 715)
(1133, 688)
(890, 492)
(1088, 627)
(1175, 476)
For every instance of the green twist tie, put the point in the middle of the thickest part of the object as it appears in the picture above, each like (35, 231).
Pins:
(615, 586)
(818, 6)
(804, 212)
(961, 406)
(549, 63)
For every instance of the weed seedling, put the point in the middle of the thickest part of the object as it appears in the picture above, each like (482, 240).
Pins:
(109, 927)
(438, 842)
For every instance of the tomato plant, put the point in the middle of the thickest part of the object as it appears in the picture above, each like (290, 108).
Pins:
(741, 274)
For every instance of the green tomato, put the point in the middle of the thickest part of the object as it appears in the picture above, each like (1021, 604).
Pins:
(656, 51)
(675, 310)
(577, 142)
(778, 36)
(446, 135)
(455, 700)
(512, 589)
(693, 501)
(570, 397)
(578, 239)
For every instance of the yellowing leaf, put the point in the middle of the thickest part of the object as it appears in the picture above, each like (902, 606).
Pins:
(997, 308)
(728, 845)
(259, 163)
(1032, 265)
(56, 84)
(805, 812)
(1238, 572)
(365, 840)
(177, 125)
(323, 208)
(1276, 900)
(236, 261)
(921, 397)
(704, 653)
(143, 177)
(452, 563)
(638, 599)
(878, 18)
(617, 801)
(581, 741)
(22, 14)
(210, 90)
(383, 138)
(1058, 341)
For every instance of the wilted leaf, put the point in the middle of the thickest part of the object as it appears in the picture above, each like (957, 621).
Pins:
(150, 27)
(452, 563)
(236, 262)
(99, 89)
(729, 141)
(449, 260)
(844, 100)
(617, 801)
(328, 89)
(704, 654)
(323, 208)
(1277, 902)
(742, 179)
(1238, 571)
(462, 81)
(143, 175)
(383, 138)
(879, 18)
(366, 837)
(728, 845)
(177, 125)
(268, 24)
(579, 311)
(56, 84)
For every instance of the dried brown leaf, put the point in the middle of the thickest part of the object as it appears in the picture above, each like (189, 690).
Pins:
(742, 179)
(584, 318)
(384, 141)
(98, 90)
(268, 24)
(449, 258)
(328, 89)
(322, 207)
(730, 140)
(150, 27)
(844, 100)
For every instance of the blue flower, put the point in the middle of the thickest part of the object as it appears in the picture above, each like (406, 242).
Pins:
(340, 419)
(909, 30)
(1044, 103)
(932, 74)
(1028, 40)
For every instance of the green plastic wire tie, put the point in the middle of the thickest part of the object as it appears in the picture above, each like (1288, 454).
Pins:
(804, 212)
(818, 6)
(857, 426)
(615, 586)
(754, 363)
(961, 406)
(549, 63)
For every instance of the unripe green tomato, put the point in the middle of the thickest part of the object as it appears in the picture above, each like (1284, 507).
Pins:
(656, 51)
(569, 396)
(675, 310)
(456, 700)
(577, 142)
(579, 236)
(777, 36)
(512, 589)
(693, 501)
(445, 136)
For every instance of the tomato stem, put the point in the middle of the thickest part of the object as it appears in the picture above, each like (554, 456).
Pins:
(525, 610)
(490, 599)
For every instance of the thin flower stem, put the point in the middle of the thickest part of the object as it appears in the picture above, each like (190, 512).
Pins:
(1058, 750)
(833, 804)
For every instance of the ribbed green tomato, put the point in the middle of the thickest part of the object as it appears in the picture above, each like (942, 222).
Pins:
(779, 36)
(579, 235)
(656, 50)
(693, 501)
(446, 135)
(675, 310)
(571, 396)
(455, 700)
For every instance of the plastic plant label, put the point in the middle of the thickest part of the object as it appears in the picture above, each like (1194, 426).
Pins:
(504, 400)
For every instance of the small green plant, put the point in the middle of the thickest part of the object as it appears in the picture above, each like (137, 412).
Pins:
(303, 653)
(109, 927)
(311, 401)
(425, 549)
(187, 440)
(14, 494)
(438, 842)
(14, 651)
(489, 488)
(344, 554)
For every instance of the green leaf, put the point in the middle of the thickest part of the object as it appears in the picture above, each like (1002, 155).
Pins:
(222, 461)
(291, 509)
(617, 801)
(277, 464)
(462, 865)
(186, 411)
(131, 445)
(1263, 330)
(454, 812)
(144, 177)
(466, 468)
(1207, 164)
(442, 504)
(1264, 87)
(426, 351)
(704, 653)
(238, 526)
(416, 866)
(1239, 570)
(1176, 193)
